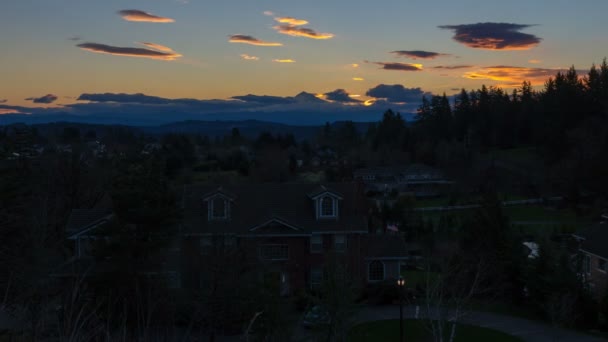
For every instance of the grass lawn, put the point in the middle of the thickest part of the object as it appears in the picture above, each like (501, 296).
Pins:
(416, 331)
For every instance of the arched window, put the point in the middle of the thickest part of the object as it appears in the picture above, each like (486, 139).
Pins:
(219, 208)
(375, 271)
(327, 206)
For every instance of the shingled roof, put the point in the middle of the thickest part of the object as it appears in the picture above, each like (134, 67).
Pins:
(273, 208)
(595, 239)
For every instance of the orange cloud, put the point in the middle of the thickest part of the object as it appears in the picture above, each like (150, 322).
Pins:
(130, 51)
(9, 111)
(245, 39)
(249, 58)
(355, 65)
(141, 16)
(291, 21)
(535, 61)
(283, 60)
(157, 47)
(295, 31)
(369, 102)
(511, 75)
(358, 79)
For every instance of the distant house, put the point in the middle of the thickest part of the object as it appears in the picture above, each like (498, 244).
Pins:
(387, 256)
(593, 246)
(418, 179)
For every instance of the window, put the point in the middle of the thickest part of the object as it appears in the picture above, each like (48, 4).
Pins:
(230, 241)
(316, 278)
(376, 271)
(327, 207)
(340, 242)
(173, 280)
(206, 245)
(316, 243)
(218, 208)
(602, 265)
(587, 264)
(274, 252)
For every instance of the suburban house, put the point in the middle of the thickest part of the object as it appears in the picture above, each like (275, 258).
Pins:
(417, 179)
(593, 246)
(290, 232)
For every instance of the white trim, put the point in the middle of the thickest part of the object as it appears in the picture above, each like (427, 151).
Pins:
(383, 271)
(328, 193)
(92, 226)
(274, 220)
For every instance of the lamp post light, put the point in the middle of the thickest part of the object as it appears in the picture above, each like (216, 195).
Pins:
(401, 286)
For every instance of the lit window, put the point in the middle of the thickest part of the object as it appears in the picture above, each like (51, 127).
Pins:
(327, 206)
(340, 242)
(316, 243)
(376, 271)
(274, 252)
(602, 265)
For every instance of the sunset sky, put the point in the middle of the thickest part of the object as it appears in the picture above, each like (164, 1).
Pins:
(344, 52)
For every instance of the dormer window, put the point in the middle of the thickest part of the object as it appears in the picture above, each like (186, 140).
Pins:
(327, 207)
(218, 208)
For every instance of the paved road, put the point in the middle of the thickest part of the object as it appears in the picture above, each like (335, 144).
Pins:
(529, 331)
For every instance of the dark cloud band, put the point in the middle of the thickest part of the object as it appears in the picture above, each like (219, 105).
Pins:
(245, 39)
(493, 36)
(142, 16)
(49, 98)
(131, 52)
(419, 54)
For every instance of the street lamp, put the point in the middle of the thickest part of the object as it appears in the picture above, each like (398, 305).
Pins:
(401, 286)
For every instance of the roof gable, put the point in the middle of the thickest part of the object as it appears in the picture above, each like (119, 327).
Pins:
(275, 225)
(323, 191)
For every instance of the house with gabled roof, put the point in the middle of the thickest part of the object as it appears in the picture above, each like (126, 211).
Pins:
(593, 246)
(289, 227)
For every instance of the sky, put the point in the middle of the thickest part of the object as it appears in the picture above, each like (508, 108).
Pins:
(132, 56)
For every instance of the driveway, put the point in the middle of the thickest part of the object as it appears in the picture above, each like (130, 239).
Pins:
(530, 331)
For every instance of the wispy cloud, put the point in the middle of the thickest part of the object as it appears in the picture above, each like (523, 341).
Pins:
(9, 111)
(249, 58)
(3, 100)
(130, 51)
(157, 47)
(296, 31)
(354, 65)
(512, 75)
(142, 16)
(284, 60)
(245, 39)
(452, 67)
(291, 21)
(358, 79)
(398, 66)
(535, 61)
(49, 98)
(493, 36)
(75, 38)
(418, 54)
(269, 13)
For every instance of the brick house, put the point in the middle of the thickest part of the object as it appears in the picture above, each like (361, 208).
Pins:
(290, 229)
(593, 246)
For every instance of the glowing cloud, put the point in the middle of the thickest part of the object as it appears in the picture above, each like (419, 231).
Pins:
(49, 98)
(398, 66)
(141, 16)
(130, 51)
(157, 46)
(512, 75)
(249, 58)
(493, 36)
(535, 61)
(418, 54)
(268, 13)
(358, 79)
(283, 60)
(291, 21)
(295, 31)
(245, 39)
(354, 65)
(9, 111)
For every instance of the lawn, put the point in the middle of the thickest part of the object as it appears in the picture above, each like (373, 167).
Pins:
(416, 331)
